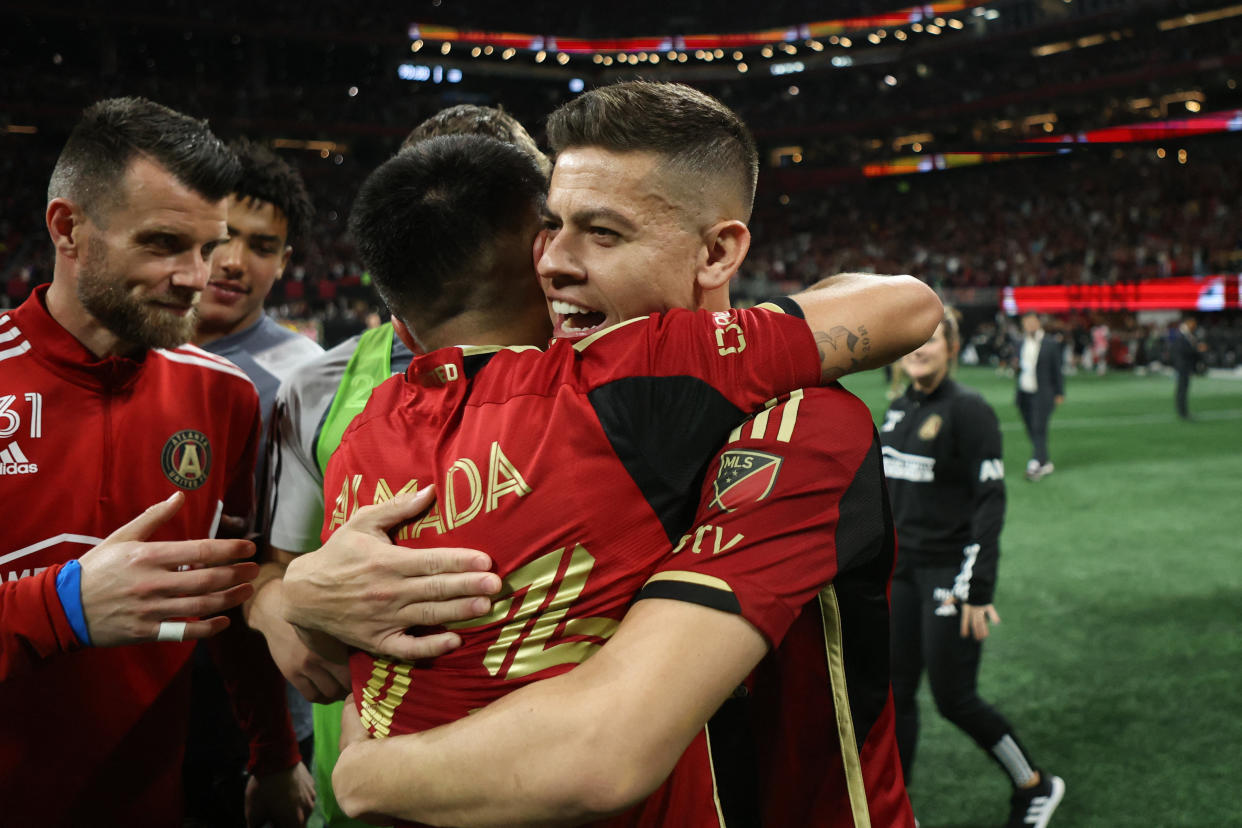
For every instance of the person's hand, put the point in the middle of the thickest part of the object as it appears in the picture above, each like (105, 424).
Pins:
(351, 764)
(318, 679)
(136, 590)
(975, 620)
(352, 728)
(285, 798)
(366, 592)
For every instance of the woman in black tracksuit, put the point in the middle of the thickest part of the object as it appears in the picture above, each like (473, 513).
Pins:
(942, 458)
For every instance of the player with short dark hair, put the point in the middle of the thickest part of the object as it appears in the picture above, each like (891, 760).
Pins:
(112, 412)
(314, 406)
(705, 141)
(114, 132)
(437, 233)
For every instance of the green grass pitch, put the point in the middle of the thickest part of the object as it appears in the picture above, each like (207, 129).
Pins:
(1119, 655)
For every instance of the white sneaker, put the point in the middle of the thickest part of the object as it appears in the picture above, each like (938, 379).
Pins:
(1046, 469)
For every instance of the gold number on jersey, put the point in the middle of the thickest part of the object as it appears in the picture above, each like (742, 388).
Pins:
(538, 597)
(739, 344)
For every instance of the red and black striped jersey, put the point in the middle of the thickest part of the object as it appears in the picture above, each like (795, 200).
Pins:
(794, 533)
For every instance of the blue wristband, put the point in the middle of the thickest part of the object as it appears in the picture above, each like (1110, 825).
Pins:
(69, 590)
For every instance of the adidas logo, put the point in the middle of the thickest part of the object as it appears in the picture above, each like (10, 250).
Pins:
(14, 461)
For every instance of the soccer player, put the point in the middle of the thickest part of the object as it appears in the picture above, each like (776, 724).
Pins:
(942, 456)
(268, 211)
(106, 411)
(623, 187)
(314, 406)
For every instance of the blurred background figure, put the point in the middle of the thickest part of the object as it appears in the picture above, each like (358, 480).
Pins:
(946, 478)
(1041, 388)
(1187, 354)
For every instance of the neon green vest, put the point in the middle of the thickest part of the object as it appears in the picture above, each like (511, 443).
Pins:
(370, 365)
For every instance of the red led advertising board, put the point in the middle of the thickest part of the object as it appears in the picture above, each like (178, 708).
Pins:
(1201, 293)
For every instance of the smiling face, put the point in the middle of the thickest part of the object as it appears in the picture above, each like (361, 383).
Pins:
(620, 241)
(928, 365)
(243, 269)
(144, 262)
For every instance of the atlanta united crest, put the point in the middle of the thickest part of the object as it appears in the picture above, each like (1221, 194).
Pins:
(187, 458)
(745, 476)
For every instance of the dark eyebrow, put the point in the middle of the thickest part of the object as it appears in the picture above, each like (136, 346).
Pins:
(588, 217)
(151, 234)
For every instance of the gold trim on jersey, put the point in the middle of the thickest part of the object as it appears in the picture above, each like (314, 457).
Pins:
(851, 762)
(684, 577)
(757, 426)
(379, 705)
(474, 350)
(585, 341)
(711, 768)
(770, 306)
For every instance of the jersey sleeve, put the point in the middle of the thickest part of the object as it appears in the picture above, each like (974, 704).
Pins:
(256, 691)
(239, 496)
(296, 485)
(33, 624)
(978, 438)
(793, 499)
(748, 356)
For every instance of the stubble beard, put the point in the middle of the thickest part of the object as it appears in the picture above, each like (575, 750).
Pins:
(129, 317)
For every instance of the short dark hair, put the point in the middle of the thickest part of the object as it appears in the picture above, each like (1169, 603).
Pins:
(267, 177)
(115, 131)
(471, 119)
(429, 221)
(693, 130)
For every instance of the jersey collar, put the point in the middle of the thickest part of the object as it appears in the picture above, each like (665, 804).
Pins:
(64, 354)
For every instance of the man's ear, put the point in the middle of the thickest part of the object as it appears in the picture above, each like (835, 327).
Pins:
(64, 223)
(404, 334)
(726, 243)
(284, 261)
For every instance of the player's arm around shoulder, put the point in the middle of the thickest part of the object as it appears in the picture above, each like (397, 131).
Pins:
(591, 742)
(862, 321)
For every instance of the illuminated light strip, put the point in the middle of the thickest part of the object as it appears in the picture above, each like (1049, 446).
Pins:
(1195, 18)
(783, 34)
(1229, 120)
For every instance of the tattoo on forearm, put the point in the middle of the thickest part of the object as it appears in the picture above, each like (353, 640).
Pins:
(842, 343)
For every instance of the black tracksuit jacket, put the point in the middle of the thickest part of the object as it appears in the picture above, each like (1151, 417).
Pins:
(942, 458)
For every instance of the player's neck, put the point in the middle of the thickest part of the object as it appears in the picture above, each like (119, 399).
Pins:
(478, 328)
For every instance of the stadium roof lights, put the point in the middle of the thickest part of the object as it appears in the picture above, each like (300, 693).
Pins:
(707, 47)
(1195, 18)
